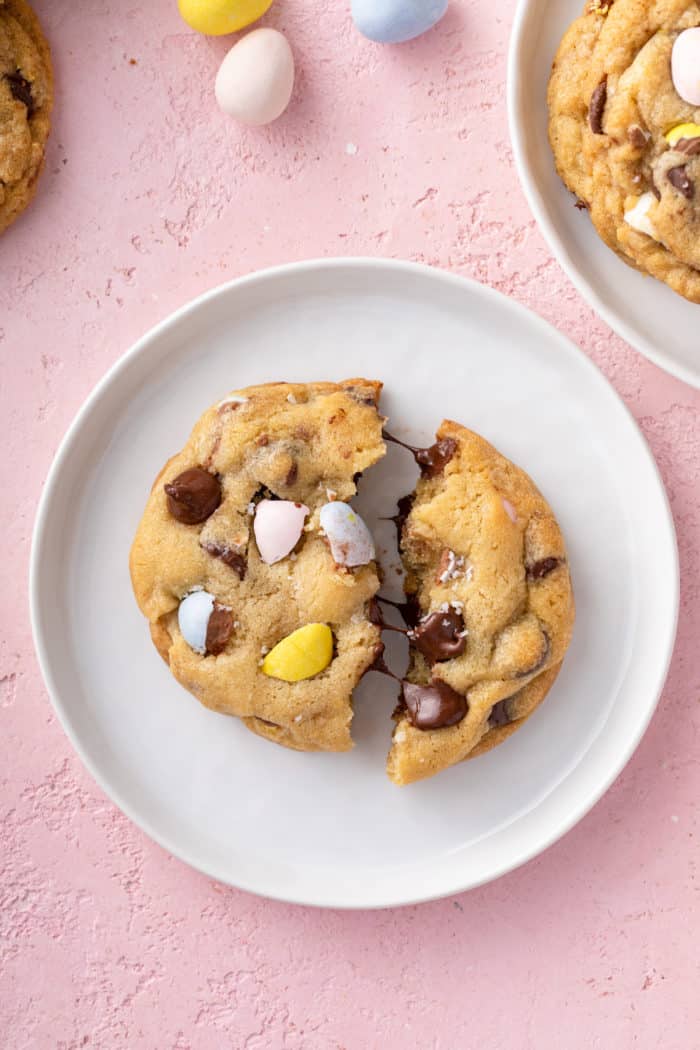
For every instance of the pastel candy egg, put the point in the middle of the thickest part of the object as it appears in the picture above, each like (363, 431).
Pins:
(393, 21)
(255, 80)
(302, 654)
(350, 540)
(685, 65)
(278, 526)
(217, 17)
(205, 625)
(682, 131)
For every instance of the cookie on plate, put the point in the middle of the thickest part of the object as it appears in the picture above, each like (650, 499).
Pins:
(625, 131)
(254, 572)
(489, 599)
(26, 97)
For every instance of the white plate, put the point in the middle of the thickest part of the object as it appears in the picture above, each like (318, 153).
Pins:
(645, 312)
(332, 829)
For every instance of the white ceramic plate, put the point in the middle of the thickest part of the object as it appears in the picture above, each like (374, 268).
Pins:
(646, 313)
(332, 829)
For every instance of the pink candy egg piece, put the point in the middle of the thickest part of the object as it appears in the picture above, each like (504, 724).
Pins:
(278, 526)
(685, 65)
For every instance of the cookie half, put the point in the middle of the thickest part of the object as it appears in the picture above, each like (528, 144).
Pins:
(26, 99)
(254, 572)
(490, 601)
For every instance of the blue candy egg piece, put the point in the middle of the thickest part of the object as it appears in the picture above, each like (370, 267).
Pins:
(394, 21)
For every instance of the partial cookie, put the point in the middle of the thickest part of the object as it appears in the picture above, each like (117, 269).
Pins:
(254, 573)
(625, 140)
(491, 600)
(26, 98)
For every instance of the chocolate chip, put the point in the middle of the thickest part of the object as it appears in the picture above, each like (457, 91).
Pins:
(21, 90)
(433, 706)
(691, 147)
(433, 460)
(499, 714)
(678, 177)
(219, 629)
(193, 496)
(233, 558)
(596, 107)
(539, 569)
(637, 137)
(441, 635)
(292, 474)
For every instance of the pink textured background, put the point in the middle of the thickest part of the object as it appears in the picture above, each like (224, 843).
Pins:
(149, 197)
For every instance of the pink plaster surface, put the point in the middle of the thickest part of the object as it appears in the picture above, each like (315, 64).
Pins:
(149, 197)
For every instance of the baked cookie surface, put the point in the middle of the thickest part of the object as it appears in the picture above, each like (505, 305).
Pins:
(625, 141)
(493, 611)
(26, 97)
(256, 593)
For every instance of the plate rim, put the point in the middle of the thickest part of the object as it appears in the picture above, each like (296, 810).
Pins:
(39, 539)
(536, 203)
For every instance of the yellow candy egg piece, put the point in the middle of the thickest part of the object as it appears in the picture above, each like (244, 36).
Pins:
(218, 17)
(682, 131)
(302, 654)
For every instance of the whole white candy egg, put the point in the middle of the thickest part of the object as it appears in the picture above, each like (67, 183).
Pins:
(255, 80)
(350, 540)
(193, 619)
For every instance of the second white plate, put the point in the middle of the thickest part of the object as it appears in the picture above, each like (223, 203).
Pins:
(332, 829)
(646, 313)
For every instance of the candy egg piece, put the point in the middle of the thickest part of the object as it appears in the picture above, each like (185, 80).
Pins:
(685, 65)
(682, 131)
(255, 80)
(302, 654)
(278, 526)
(193, 619)
(394, 21)
(350, 540)
(217, 17)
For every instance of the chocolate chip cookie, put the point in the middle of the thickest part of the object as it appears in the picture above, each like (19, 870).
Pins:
(253, 570)
(26, 97)
(625, 131)
(489, 607)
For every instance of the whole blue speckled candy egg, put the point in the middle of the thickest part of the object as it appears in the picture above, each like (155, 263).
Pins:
(393, 21)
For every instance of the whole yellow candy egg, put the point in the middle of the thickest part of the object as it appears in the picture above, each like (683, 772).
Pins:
(256, 79)
(218, 17)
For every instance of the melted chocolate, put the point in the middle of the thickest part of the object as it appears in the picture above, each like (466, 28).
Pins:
(21, 90)
(499, 714)
(399, 519)
(433, 706)
(539, 569)
(193, 496)
(433, 460)
(410, 609)
(596, 107)
(234, 559)
(379, 663)
(440, 636)
(219, 629)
